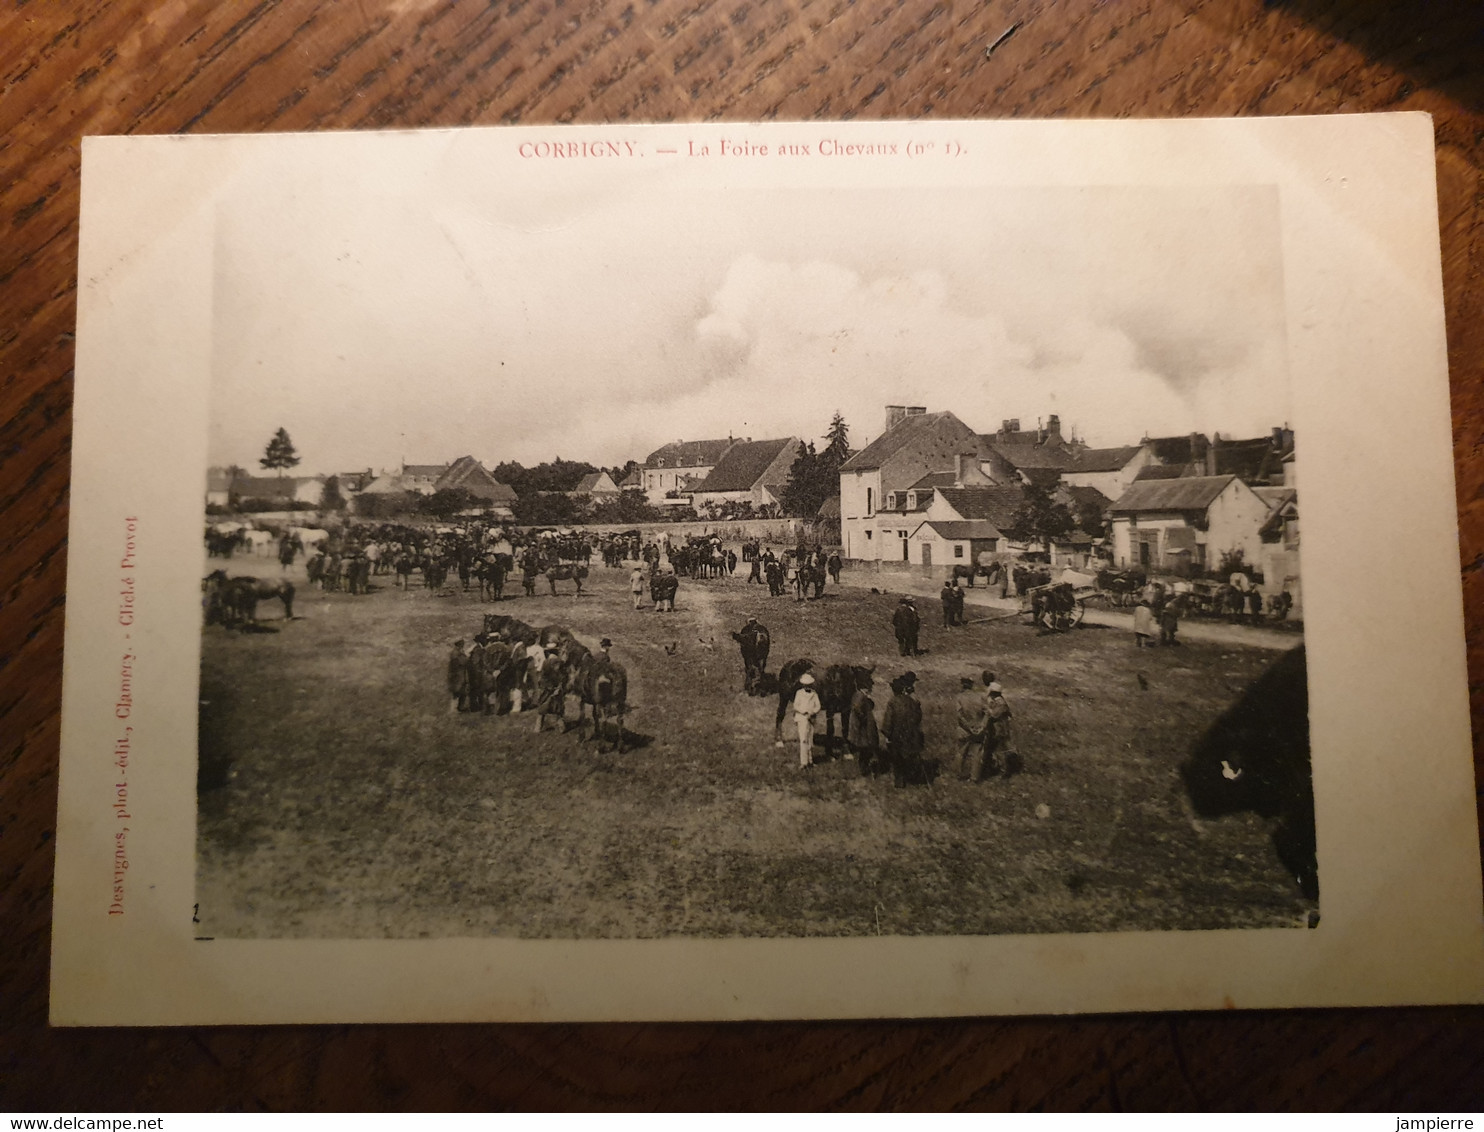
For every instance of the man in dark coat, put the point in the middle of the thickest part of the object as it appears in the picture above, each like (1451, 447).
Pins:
(945, 595)
(479, 676)
(755, 642)
(862, 737)
(901, 731)
(905, 623)
(458, 678)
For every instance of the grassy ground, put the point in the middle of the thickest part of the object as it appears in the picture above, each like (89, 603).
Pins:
(340, 798)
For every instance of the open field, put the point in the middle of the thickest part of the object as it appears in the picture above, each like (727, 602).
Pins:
(339, 797)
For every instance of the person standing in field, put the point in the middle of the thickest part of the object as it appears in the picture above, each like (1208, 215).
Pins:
(636, 586)
(972, 710)
(906, 623)
(901, 731)
(1002, 741)
(806, 709)
(945, 596)
(862, 737)
(958, 602)
(1169, 620)
(458, 678)
(1143, 625)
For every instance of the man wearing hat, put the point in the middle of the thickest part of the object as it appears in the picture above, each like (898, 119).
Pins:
(905, 623)
(636, 585)
(603, 646)
(458, 678)
(479, 675)
(972, 710)
(901, 730)
(806, 709)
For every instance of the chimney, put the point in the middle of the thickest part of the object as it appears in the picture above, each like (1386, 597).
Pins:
(1014, 425)
(916, 410)
(1211, 454)
(1278, 438)
(895, 415)
(1053, 426)
(958, 470)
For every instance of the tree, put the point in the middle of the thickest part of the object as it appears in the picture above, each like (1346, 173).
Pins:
(1039, 518)
(330, 498)
(280, 453)
(810, 482)
(815, 476)
(838, 435)
(447, 502)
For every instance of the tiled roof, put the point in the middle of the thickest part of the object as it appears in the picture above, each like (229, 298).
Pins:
(424, 471)
(1053, 455)
(885, 446)
(830, 508)
(1250, 459)
(997, 504)
(469, 474)
(1104, 459)
(1190, 493)
(269, 487)
(1177, 449)
(962, 528)
(689, 453)
(1090, 496)
(935, 479)
(633, 479)
(1162, 472)
(744, 463)
(591, 483)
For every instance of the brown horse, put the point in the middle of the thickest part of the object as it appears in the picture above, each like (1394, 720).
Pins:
(566, 572)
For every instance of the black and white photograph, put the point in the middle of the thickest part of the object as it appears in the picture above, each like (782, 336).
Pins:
(717, 562)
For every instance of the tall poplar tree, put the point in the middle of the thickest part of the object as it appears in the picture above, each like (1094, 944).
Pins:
(280, 453)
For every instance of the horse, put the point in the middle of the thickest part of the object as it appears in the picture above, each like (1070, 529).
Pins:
(603, 685)
(491, 573)
(835, 687)
(811, 575)
(563, 572)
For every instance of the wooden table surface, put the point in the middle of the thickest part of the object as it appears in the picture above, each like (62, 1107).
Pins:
(126, 66)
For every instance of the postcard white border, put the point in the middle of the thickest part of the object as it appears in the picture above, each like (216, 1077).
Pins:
(1393, 771)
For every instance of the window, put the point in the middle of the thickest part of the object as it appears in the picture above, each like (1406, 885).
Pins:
(891, 501)
(870, 505)
(912, 501)
(868, 535)
(958, 550)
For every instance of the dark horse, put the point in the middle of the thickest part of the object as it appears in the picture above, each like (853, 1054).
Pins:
(810, 575)
(835, 687)
(566, 571)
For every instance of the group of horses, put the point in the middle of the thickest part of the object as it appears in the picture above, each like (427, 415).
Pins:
(233, 602)
(514, 664)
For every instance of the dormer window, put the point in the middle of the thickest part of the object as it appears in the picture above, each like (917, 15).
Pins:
(891, 501)
(912, 501)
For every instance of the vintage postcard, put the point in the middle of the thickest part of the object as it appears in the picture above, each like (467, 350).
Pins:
(759, 571)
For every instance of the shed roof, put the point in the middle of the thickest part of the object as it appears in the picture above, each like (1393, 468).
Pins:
(1190, 493)
(961, 528)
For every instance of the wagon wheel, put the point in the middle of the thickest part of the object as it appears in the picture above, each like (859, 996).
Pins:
(1074, 618)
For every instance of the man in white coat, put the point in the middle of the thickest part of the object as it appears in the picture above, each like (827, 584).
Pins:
(806, 709)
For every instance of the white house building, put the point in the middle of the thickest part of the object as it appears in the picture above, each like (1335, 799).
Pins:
(1187, 524)
(750, 471)
(680, 465)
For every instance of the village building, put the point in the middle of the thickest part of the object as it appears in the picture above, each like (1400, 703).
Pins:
(218, 486)
(468, 474)
(670, 472)
(913, 444)
(1188, 524)
(1109, 470)
(595, 485)
(751, 471)
(277, 489)
(1280, 546)
(634, 481)
(961, 522)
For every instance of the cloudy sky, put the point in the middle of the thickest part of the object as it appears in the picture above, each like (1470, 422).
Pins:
(428, 319)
